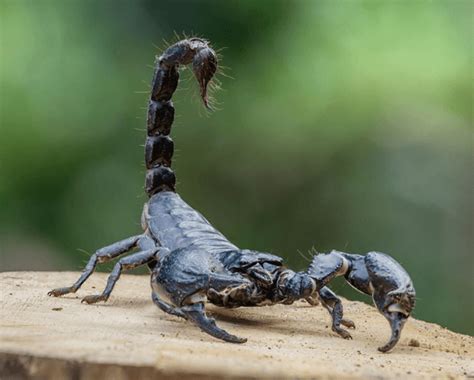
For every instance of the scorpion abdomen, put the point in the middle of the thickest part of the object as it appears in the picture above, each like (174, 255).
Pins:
(176, 225)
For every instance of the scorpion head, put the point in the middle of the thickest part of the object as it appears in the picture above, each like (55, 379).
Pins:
(204, 66)
(392, 291)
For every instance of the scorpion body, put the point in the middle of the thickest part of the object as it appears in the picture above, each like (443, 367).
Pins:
(192, 263)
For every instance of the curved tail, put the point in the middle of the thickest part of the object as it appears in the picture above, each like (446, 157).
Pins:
(159, 146)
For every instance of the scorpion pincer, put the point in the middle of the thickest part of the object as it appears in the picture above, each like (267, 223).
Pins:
(192, 263)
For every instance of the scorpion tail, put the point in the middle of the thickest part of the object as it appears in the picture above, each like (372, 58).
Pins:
(159, 146)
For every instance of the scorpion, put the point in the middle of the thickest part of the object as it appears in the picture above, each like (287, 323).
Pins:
(192, 263)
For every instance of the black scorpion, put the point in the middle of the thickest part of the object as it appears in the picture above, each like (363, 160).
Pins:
(192, 263)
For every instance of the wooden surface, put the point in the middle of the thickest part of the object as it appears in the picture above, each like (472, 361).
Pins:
(129, 337)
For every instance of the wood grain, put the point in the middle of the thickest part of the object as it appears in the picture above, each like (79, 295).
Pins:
(129, 337)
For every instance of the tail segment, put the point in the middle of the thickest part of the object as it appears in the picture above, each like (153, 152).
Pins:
(159, 146)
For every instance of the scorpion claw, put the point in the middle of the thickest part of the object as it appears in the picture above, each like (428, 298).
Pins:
(93, 298)
(197, 314)
(375, 274)
(396, 320)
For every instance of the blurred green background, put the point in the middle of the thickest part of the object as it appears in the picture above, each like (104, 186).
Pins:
(347, 125)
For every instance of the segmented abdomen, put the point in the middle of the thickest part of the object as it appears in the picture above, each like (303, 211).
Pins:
(176, 225)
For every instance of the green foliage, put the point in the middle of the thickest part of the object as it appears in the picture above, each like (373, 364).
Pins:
(347, 125)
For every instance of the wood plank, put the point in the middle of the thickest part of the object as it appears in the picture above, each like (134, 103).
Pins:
(129, 337)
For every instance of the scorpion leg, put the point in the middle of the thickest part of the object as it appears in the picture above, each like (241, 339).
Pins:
(291, 286)
(166, 307)
(196, 313)
(129, 262)
(100, 256)
(333, 304)
(231, 289)
(189, 288)
(313, 300)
